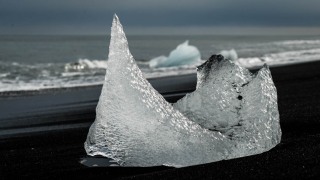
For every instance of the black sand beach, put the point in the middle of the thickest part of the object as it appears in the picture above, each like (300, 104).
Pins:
(42, 135)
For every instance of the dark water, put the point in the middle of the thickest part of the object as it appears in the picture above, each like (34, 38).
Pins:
(37, 62)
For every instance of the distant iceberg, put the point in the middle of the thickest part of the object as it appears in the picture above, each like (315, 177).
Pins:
(232, 113)
(229, 54)
(184, 54)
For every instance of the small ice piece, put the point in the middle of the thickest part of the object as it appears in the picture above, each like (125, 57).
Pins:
(229, 54)
(136, 126)
(82, 64)
(184, 54)
(241, 105)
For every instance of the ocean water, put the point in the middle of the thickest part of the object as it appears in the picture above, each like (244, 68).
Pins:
(39, 62)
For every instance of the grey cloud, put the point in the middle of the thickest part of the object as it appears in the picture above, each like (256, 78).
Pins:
(21, 14)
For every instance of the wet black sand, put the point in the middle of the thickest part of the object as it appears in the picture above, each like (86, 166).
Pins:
(56, 153)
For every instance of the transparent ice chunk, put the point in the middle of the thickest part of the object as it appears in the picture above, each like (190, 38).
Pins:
(241, 105)
(136, 126)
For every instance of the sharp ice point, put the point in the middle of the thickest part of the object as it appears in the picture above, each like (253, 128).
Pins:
(115, 17)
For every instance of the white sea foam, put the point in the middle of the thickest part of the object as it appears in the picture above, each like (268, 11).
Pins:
(282, 58)
(3, 74)
(49, 76)
(171, 71)
(86, 64)
(68, 74)
(94, 63)
(297, 42)
(43, 84)
(32, 75)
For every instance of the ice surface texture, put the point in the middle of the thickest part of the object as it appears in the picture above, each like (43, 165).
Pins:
(184, 54)
(136, 126)
(241, 105)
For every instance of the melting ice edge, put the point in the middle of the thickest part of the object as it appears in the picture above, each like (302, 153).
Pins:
(232, 113)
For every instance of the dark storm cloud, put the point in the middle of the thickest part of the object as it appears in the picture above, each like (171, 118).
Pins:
(41, 16)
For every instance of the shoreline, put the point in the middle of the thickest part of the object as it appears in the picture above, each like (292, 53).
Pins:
(15, 93)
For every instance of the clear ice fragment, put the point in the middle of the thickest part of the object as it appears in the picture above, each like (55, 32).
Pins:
(241, 105)
(136, 126)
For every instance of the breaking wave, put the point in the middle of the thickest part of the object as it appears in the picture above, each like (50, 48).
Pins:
(86, 64)
(19, 76)
(298, 42)
(83, 72)
(281, 58)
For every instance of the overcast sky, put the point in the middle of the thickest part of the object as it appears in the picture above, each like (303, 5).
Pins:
(156, 16)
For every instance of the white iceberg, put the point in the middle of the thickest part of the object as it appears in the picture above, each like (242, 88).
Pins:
(184, 54)
(136, 126)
